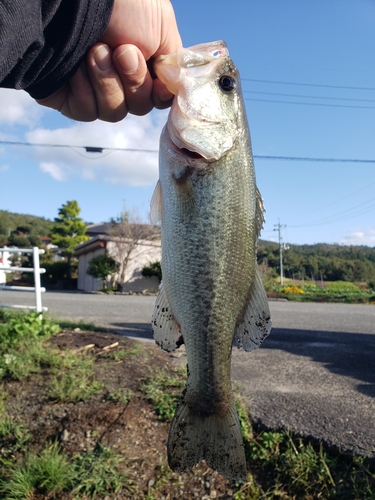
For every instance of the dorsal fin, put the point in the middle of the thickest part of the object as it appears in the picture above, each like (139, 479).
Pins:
(156, 204)
(259, 213)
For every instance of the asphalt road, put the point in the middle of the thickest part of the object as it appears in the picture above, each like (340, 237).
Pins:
(315, 373)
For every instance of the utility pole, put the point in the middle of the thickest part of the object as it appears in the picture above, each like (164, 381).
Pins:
(279, 227)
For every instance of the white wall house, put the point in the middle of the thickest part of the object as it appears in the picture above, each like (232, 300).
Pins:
(145, 253)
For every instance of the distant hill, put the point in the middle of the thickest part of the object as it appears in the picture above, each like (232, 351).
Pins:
(22, 224)
(326, 261)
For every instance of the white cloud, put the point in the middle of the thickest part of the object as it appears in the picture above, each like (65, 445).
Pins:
(127, 168)
(17, 107)
(54, 170)
(360, 237)
(4, 168)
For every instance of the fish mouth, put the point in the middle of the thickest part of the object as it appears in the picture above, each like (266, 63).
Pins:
(191, 154)
(185, 152)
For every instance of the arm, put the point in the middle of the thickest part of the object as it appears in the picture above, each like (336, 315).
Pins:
(115, 79)
(42, 42)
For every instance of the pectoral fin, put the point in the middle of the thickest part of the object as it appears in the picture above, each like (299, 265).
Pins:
(166, 331)
(256, 323)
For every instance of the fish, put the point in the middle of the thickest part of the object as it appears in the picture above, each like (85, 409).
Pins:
(211, 212)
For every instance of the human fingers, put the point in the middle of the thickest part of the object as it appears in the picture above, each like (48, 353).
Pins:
(135, 77)
(76, 99)
(160, 95)
(107, 84)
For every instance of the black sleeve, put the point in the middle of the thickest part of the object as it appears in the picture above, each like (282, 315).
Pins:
(43, 41)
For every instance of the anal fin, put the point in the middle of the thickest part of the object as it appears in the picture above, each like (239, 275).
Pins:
(256, 322)
(166, 331)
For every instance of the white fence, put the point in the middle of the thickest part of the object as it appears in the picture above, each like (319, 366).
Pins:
(37, 270)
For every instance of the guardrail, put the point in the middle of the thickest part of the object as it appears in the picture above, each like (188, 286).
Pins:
(37, 270)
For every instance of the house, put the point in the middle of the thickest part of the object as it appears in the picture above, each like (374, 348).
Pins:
(105, 240)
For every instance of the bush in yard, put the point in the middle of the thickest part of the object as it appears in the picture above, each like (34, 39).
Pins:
(153, 269)
(101, 267)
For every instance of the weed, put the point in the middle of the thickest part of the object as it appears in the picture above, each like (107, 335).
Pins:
(3, 398)
(21, 343)
(44, 473)
(164, 389)
(99, 473)
(73, 382)
(13, 434)
(246, 427)
(121, 395)
(120, 354)
(66, 324)
(20, 327)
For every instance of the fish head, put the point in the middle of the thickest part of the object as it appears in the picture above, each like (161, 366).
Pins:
(204, 118)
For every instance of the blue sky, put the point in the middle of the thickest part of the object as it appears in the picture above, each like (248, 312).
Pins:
(308, 72)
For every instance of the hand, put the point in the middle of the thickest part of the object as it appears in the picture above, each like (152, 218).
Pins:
(116, 78)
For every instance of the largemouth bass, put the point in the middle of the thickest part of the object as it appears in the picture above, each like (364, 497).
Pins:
(211, 215)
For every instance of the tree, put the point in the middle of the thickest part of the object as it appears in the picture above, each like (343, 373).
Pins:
(101, 267)
(69, 230)
(127, 232)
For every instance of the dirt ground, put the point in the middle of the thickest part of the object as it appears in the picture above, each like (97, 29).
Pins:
(131, 429)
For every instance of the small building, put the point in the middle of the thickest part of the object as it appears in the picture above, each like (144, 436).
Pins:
(146, 251)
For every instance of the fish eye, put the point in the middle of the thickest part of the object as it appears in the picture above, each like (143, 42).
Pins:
(227, 83)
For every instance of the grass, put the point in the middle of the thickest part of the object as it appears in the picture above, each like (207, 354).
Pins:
(164, 390)
(14, 436)
(22, 336)
(66, 324)
(99, 472)
(47, 472)
(121, 395)
(316, 291)
(120, 354)
(23, 352)
(281, 465)
(73, 378)
(52, 473)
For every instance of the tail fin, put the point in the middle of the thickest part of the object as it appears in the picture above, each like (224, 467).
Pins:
(214, 438)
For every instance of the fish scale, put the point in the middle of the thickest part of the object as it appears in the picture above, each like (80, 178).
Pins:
(211, 213)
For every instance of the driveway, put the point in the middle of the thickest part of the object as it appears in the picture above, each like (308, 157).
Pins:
(315, 373)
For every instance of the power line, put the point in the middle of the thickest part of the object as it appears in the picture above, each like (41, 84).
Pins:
(309, 96)
(308, 84)
(353, 193)
(89, 149)
(312, 159)
(344, 215)
(137, 150)
(310, 103)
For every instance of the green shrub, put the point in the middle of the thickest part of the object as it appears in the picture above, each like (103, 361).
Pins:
(101, 267)
(21, 343)
(153, 269)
